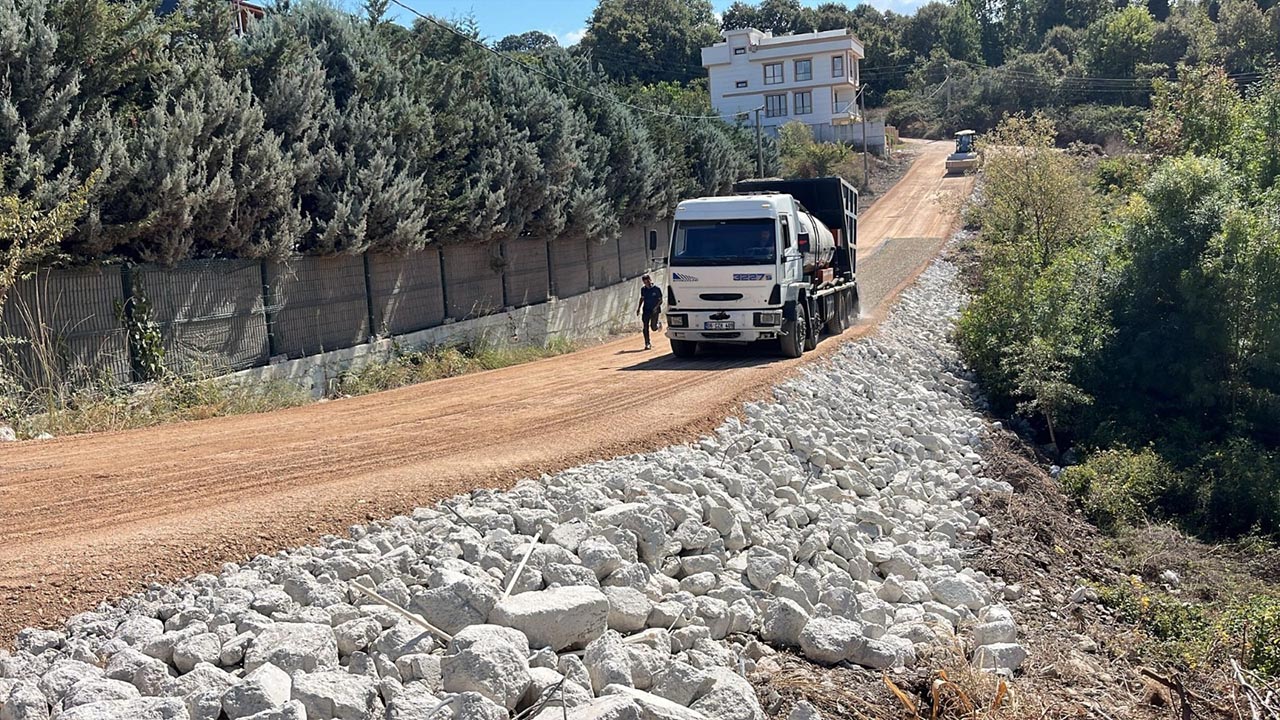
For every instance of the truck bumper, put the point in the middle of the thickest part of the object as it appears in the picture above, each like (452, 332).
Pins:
(724, 326)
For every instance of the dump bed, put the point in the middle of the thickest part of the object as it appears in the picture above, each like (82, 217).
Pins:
(831, 200)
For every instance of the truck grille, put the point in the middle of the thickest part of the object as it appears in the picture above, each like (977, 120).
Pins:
(720, 297)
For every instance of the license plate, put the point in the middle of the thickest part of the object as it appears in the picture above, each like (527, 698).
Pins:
(721, 325)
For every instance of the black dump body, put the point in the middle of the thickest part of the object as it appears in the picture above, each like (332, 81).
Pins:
(831, 200)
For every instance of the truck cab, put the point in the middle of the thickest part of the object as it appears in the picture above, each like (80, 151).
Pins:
(757, 266)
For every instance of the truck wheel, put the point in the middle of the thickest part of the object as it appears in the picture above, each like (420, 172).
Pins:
(837, 313)
(853, 306)
(684, 348)
(795, 333)
(813, 331)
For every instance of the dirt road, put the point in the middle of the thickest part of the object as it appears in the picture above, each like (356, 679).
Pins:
(87, 518)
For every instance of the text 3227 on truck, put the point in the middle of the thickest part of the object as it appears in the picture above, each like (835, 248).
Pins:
(774, 262)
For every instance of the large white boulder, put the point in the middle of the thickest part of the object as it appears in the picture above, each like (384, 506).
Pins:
(265, 688)
(293, 647)
(731, 697)
(783, 622)
(653, 707)
(829, 640)
(168, 708)
(558, 618)
(337, 694)
(490, 660)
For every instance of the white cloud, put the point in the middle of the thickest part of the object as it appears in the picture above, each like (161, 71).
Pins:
(902, 7)
(570, 38)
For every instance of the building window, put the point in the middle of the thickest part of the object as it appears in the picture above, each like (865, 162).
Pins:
(739, 51)
(773, 74)
(837, 66)
(804, 69)
(804, 103)
(740, 83)
(842, 103)
(775, 105)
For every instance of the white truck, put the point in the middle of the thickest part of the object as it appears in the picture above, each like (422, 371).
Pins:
(775, 262)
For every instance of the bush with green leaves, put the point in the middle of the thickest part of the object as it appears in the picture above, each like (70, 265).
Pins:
(1046, 268)
(1251, 626)
(1118, 487)
(801, 156)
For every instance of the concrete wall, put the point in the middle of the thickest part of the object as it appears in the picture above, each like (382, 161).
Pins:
(849, 134)
(590, 315)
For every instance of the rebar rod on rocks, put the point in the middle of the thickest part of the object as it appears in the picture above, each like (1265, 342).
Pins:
(411, 617)
(520, 568)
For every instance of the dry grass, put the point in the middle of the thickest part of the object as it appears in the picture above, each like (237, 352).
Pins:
(108, 407)
(951, 690)
(411, 368)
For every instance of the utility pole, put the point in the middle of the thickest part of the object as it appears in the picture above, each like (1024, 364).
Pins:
(947, 82)
(759, 146)
(862, 99)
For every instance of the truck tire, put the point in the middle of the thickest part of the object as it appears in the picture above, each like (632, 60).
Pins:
(814, 330)
(837, 312)
(795, 333)
(684, 348)
(853, 306)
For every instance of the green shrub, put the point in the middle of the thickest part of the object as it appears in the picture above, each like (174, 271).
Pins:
(1236, 489)
(1160, 615)
(1103, 125)
(1251, 627)
(1245, 628)
(1119, 488)
(1121, 174)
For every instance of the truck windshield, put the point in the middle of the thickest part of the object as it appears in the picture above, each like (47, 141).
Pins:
(724, 242)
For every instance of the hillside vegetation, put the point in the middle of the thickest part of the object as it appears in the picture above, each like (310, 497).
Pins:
(1131, 305)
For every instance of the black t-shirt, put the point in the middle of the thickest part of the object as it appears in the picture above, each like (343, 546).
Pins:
(652, 297)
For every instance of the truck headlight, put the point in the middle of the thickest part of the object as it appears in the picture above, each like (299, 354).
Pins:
(768, 319)
(678, 320)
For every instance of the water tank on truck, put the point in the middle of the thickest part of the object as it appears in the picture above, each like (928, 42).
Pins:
(820, 250)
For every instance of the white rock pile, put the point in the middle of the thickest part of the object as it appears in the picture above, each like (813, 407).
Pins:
(832, 522)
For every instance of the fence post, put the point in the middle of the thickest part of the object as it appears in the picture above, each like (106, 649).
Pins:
(591, 265)
(444, 282)
(368, 296)
(617, 244)
(126, 312)
(268, 315)
(551, 273)
(502, 250)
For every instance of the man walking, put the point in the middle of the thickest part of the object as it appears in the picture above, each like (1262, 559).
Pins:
(651, 307)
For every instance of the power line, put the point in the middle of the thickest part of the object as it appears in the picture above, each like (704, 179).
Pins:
(551, 77)
(672, 68)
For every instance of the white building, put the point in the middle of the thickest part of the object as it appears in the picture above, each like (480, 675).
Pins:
(811, 77)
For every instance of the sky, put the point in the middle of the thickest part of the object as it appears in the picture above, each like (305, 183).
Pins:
(564, 19)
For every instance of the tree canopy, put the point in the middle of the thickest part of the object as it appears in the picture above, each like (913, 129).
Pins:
(650, 40)
(318, 131)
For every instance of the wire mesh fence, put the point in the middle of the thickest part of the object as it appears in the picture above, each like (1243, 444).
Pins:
(70, 326)
(210, 313)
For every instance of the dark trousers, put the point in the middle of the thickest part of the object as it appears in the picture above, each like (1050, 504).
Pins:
(650, 319)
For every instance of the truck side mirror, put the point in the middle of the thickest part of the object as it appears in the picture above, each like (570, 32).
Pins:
(653, 240)
(802, 240)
